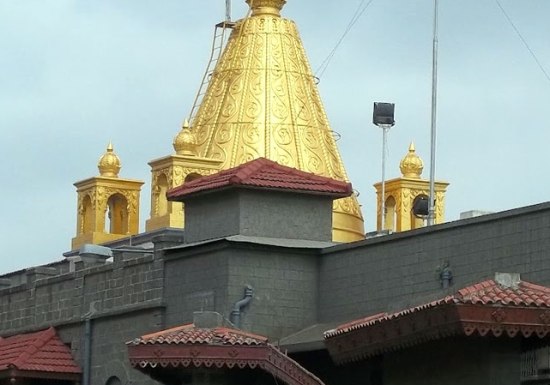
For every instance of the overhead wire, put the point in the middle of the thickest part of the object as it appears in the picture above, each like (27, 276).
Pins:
(533, 55)
(357, 15)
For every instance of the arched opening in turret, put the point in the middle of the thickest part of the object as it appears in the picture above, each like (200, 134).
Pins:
(117, 215)
(192, 176)
(161, 201)
(391, 214)
(87, 213)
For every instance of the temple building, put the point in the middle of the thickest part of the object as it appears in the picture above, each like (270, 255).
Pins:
(254, 267)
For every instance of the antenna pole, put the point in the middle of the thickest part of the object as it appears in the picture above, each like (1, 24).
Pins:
(228, 10)
(385, 129)
(431, 203)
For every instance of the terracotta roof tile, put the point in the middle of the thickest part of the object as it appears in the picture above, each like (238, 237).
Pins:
(488, 292)
(264, 173)
(189, 334)
(188, 346)
(40, 351)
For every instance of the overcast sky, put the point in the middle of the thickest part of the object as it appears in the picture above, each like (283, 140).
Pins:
(76, 74)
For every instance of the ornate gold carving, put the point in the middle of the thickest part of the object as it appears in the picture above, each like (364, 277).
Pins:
(262, 101)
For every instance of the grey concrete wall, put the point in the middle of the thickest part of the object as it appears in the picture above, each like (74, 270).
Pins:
(195, 281)
(68, 297)
(108, 344)
(285, 289)
(286, 215)
(213, 279)
(212, 216)
(109, 351)
(258, 213)
(455, 362)
(401, 270)
(123, 300)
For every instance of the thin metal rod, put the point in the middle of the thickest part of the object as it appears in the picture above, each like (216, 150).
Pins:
(227, 10)
(383, 192)
(431, 205)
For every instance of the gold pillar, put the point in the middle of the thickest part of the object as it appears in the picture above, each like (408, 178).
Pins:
(108, 206)
(400, 194)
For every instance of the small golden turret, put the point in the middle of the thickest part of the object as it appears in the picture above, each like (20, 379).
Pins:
(108, 206)
(185, 142)
(400, 195)
(266, 7)
(109, 163)
(411, 165)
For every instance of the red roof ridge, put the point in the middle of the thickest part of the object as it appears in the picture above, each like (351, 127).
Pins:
(534, 286)
(264, 173)
(224, 330)
(249, 169)
(170, 330)
(43, 337)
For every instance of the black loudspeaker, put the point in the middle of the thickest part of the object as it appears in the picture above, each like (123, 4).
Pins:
(383, 114)
(421, 206)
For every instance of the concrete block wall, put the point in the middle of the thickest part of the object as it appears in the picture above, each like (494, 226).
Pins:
(66, 298)
(213, 278)
(258, 213)
(109, 351)
(194, 281)
(394, 272)
(285, 284)
(123, 300)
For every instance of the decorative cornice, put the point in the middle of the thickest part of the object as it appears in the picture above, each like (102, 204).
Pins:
(266, 357)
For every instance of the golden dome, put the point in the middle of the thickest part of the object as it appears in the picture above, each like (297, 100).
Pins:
(109, 163)
(411, 165)
(185, 143)
(262, 101)
(266, 7)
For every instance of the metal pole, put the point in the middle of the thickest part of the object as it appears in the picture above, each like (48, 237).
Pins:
(385, 130)
(431, 205)
(227, 10)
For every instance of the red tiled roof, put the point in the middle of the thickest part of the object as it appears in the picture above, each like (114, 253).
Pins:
(187, 347)
(484, 293)
(264, 173)
(41, 351)
(520, 309)
(189, 334)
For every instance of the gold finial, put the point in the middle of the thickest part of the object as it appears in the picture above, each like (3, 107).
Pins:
(185, 142)
(109, 163)
(266, 7)
(411, 165)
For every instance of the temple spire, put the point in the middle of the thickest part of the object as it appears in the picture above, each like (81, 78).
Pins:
(262, 101)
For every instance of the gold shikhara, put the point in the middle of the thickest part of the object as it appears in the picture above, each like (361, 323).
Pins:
(262, 101)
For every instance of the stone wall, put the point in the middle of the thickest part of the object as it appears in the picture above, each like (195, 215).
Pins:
(213, 278)
(123, 300)
(397, 271)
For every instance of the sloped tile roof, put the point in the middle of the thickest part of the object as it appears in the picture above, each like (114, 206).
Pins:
(186, 347)
(41, 351)
(264, 173)
(488, 292)
(487, 308)
(189, 334)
